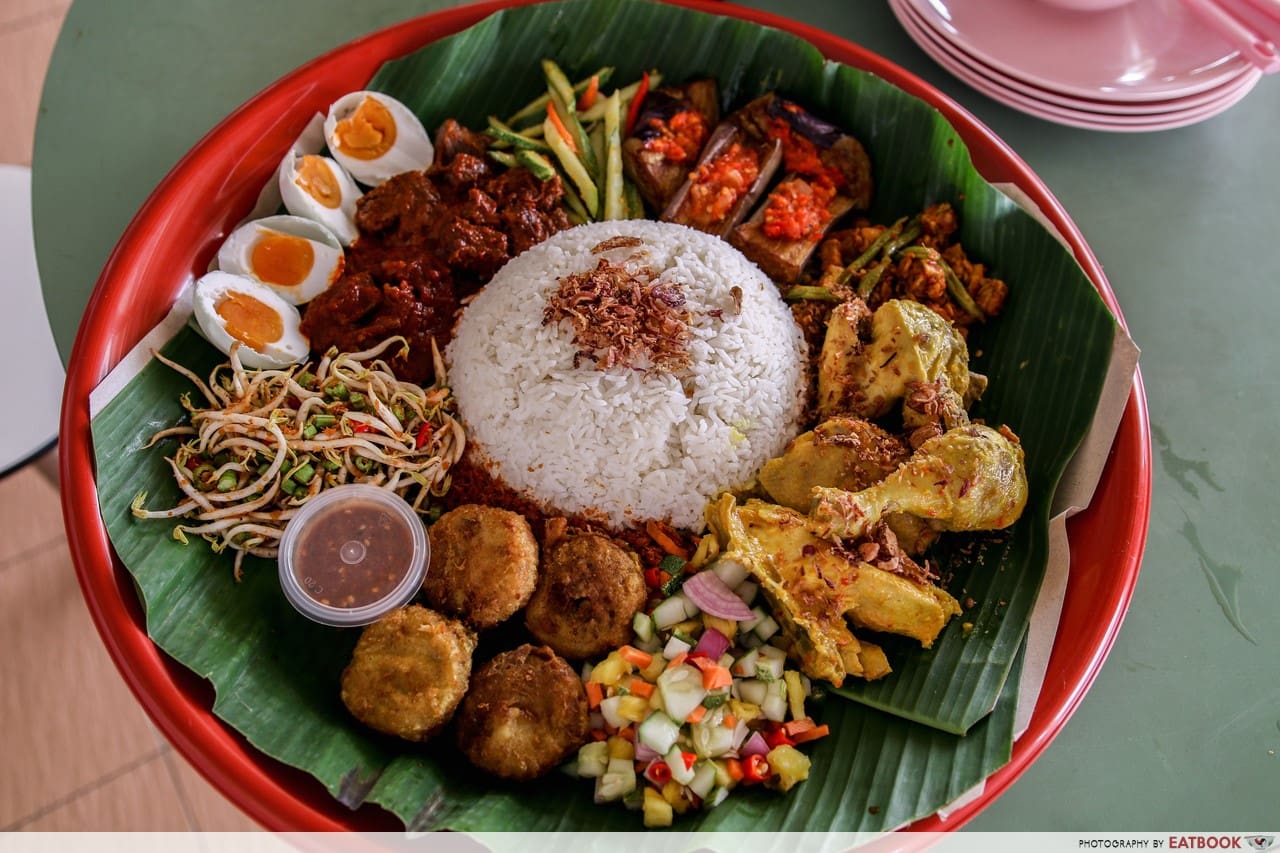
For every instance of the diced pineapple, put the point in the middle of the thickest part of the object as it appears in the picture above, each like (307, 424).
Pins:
(673, 793)
(690, 627)
(633, 708)
(621, 748)
(790, 764)
(708, 548)
(611, 670)
(795, 694)
(744, 711)
(651, 672)
(728, 627)
(657, 811)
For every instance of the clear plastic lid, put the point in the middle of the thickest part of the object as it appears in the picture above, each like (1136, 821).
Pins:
(352, 554)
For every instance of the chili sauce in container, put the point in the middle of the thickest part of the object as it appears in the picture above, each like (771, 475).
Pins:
(352, 554)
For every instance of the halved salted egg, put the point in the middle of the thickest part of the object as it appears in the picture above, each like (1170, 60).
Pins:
(317, 188)
(295, 257)
(375, 136)
(231, 308)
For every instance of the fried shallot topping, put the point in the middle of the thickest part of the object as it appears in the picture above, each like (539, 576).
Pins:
(623, 317)
(880, 548)
(619, 242)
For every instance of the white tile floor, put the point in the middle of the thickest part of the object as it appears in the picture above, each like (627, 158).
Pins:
(79, 752)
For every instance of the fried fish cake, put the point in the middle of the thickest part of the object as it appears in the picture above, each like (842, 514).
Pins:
(525, 713)
(589, 589)
(408, 672)
(484, 564)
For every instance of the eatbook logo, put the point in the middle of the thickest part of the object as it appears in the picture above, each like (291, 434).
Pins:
(1221, 842)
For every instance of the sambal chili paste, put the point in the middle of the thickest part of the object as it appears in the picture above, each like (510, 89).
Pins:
(718, 184)
(798, 210)
(798, 207)
(679, 139)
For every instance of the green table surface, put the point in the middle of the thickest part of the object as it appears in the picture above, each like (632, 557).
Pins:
(1181, 729)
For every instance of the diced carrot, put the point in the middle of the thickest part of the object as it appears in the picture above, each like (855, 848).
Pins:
(560, 128)
(715, 677)
(595, 693)
(666, 539)
(730, 721)
(812, 734)
(678, 659)
(635, 657)
(713, 674)
(795, 727)
(599, 734)
(734, 767)
(640, 687)
(628, 733)
(696, 714)
(589, 96)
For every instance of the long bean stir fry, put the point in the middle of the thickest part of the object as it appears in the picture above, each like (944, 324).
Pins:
(270, 440)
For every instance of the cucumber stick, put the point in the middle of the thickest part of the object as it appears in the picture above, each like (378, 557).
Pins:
(614, 200)
(577, 171)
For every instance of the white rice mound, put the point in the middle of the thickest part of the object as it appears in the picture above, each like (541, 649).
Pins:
(625, 445)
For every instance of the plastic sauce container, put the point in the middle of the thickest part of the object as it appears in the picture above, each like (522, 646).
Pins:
(352, 554)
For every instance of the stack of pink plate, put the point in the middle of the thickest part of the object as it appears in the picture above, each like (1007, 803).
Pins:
(1132, 66)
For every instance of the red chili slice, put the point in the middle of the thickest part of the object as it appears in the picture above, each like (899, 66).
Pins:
(659, 773)
(755, 768)
(633, 112)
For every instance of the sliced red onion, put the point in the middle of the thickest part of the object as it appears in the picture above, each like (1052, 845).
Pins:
(755, 745)
(712, 643)
(646, 753)
(713, 596)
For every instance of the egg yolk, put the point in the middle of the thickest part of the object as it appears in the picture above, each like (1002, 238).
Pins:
(317, 180)
(251, 322)
(281, 259)
(367, 133)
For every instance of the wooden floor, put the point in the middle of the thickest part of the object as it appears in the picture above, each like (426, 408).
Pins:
(79, 753)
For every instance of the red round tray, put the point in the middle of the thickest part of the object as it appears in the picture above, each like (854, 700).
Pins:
(228, 168)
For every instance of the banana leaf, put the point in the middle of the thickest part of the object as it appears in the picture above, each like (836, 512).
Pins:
(908, 744)
(1055, 335)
